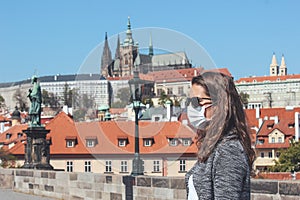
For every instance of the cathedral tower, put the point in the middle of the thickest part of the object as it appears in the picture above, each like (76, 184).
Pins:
(106, 59)
(128, 53)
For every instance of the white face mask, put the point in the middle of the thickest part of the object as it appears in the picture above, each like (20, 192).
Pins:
(197, 117)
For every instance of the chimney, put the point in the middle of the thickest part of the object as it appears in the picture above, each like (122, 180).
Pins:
(195, 72)
(168, 105)
(297, 119)
(257, 112)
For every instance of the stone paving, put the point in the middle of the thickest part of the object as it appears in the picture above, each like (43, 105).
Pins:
(6, 194)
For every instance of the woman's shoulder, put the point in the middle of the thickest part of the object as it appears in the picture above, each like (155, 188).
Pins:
(230, 151)
(229, 148)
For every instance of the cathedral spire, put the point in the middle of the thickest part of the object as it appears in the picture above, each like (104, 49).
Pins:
(150, 46)
(106, 58)
(117, 54)
(128, 40)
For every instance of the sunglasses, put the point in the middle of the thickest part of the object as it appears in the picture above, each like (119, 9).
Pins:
(195, 101)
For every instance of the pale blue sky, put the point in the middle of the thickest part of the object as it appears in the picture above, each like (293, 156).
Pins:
(55, 37)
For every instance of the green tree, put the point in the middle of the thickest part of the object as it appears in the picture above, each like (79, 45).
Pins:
(289, 159)
(21, 99)
(164, 98)
(244, 98)
(79, 114)
(87, 101)
(7, 160)
(124, 95)
(2, 101)
(50, 99)
(71, 97)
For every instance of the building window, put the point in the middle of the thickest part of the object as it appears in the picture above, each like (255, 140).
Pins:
(70, 143)
(147, 142)
(156, 166)
(262, 154)
(8, 136)
(277, 154)
(186, 141)
(69, 166)
(170, 91)
(270, 154)
(280, 140)
(90, 143)
(160, 92)
(273, 140)
(180, 90)
(108, 166)
(87, 166)
(20, 135)
(124, 166)
(182, 165)
(173, 142)
(122, 142)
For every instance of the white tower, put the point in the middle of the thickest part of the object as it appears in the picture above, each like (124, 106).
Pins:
(282, 68)
(274, 66)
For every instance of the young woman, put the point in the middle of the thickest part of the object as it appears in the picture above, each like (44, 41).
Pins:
(225, 156)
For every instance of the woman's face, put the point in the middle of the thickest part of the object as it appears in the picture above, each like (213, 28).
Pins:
(199, 91)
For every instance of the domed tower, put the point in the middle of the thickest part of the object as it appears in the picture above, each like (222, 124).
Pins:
(128, 52)
(16, 117)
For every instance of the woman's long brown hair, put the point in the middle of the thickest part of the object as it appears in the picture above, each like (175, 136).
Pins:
(228, 115)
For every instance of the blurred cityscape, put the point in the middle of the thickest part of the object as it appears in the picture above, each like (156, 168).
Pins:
(91, 116)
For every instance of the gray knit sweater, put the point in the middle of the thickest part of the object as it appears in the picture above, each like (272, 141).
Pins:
(225, 174)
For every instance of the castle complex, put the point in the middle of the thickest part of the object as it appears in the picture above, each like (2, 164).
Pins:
(128, 57)
(279, 89)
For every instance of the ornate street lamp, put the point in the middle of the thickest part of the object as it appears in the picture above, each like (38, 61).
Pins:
(136, 90)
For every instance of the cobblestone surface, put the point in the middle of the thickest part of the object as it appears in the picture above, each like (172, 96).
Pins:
(11, 195)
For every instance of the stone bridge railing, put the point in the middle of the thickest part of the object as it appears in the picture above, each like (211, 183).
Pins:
(65, 185)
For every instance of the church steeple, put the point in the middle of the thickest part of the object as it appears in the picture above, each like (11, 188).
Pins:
(128, 40)
(274, 66)
(282, 68)
(106, 58)
(117, 54)
(150, 46)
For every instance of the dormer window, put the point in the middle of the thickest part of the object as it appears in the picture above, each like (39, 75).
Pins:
(91, 141)
(20, 135)
(122, 142)
(8, 136)
(291, 125)
(148, 142)
(270, 126)
(71, 141)
(186, 141)
(173, 141)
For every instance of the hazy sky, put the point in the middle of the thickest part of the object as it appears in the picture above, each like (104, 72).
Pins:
(55, 37)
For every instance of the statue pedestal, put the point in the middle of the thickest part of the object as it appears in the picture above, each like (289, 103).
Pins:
(37, 149)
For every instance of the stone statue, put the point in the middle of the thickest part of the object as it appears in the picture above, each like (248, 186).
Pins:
(35, 96)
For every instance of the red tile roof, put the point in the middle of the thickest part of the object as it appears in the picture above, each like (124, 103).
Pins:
(62, 128)
(268, 78)
(178, 75)
(286, 120)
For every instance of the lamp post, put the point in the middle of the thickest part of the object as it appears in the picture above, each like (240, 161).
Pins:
(136, 91)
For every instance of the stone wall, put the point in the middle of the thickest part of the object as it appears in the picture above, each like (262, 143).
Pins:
(69, 186)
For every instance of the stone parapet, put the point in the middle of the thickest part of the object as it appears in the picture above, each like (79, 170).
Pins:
(66, 185)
